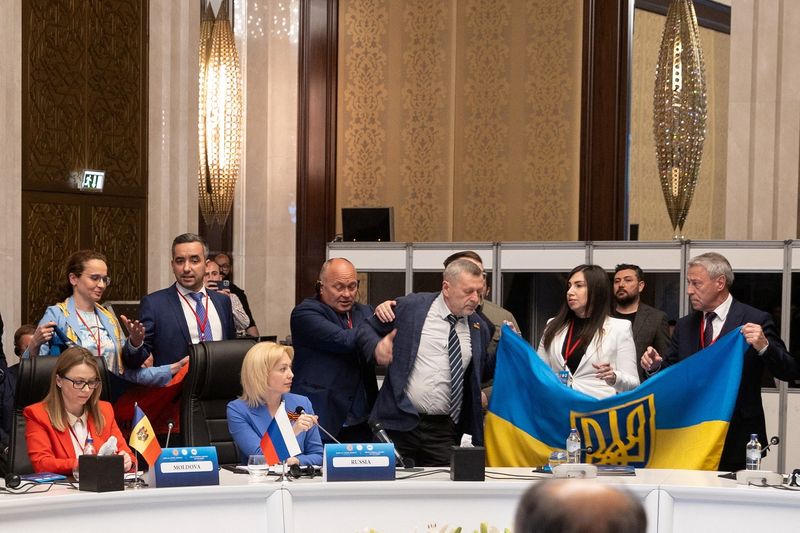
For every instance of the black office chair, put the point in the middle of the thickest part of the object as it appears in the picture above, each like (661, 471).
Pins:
(33, 382)
(213, 380)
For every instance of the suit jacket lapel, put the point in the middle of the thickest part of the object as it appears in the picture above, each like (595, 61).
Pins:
(476, 342)
(734, 319)
(640, 320)
(176, 303)
(65, 439)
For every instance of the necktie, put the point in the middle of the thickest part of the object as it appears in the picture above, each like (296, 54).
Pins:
(456, 369)
(203, 327)
(708, 333)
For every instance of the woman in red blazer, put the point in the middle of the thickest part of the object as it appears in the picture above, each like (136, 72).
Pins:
(58, 427)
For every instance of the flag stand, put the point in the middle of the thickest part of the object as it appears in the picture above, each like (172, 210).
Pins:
(138, 482)
(283, 476)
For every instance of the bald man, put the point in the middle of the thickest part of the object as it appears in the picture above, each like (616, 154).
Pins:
(574, 505)
(328, 366)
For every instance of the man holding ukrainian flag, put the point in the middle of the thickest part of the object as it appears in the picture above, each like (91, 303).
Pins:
(716, 313)
(698, 414)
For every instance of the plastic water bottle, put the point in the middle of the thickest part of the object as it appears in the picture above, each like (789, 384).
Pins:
(753, 461)
(574, 447)
(88, 449)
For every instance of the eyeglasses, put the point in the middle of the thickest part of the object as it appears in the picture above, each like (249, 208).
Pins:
(80, 384)
(97, 278)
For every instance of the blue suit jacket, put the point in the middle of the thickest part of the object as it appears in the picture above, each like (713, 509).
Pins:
(328, 365)
(393, 408)
(166, 335)
(748, 415)
(248, 425)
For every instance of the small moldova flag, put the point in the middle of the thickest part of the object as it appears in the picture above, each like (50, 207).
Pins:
(279, 442)
(143, 438)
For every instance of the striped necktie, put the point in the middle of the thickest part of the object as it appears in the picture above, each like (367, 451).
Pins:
(203, 325)
(708, 333)
(456, 369)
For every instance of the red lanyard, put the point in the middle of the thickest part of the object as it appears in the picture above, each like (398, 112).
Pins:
(77, 440)
(200, 326)
(571, 347)
(702, 333)
(95, 339)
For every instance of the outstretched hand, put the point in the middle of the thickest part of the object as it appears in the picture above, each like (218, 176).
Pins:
(135, 331)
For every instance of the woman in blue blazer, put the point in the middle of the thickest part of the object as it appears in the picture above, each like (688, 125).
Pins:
(266, 380)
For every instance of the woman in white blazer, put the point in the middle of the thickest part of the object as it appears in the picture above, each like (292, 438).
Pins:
(589, 350)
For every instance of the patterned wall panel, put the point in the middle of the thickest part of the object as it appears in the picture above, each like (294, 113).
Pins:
(84, 106)
(647, 208)
(51, 229)
(116, 232)
(462, 115)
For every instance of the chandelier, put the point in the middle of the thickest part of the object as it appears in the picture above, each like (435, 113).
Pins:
(679, 110)
(220, 115)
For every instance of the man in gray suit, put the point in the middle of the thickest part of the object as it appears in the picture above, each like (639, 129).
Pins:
(649, 324)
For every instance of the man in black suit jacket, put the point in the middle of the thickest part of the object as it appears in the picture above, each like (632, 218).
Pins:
(716, 313)
(649, 324)
(416, 402)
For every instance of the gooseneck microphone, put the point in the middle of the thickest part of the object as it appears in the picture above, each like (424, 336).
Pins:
(381, 435)
(300, 411)
(170, 425)
(774, 441)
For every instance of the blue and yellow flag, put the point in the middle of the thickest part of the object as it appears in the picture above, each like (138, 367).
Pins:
(676, 419)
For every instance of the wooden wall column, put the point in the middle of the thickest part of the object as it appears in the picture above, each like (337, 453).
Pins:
(316, 140)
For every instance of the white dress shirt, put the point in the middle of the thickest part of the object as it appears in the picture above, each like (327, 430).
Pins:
(188, 305)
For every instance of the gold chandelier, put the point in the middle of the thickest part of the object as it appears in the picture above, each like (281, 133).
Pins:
(679, 110)
(220, 115)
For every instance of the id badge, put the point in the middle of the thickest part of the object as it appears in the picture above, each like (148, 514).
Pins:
(563, 375)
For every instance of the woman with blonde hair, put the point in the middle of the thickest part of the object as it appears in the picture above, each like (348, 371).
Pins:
(266, 381)
(59, 427)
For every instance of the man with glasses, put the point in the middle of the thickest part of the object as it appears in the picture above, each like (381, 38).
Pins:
(328, 366)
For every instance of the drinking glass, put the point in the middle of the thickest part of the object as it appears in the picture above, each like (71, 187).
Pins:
(558, 457)
(257, 467)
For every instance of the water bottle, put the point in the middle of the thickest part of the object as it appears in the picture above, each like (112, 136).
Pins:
(574, 447)
(87, 450)
(753, 461)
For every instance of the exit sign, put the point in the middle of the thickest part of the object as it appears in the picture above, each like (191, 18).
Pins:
(92, 181)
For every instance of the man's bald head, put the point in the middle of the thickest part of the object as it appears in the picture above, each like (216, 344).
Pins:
(572, 506)
(338, 284)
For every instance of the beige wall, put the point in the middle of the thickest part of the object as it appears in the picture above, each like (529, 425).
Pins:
(462, 115)
(764, 136)
(647, 208)
(11, 163)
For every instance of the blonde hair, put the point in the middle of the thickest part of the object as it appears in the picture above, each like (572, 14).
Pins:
(54, 401)
(259, 361)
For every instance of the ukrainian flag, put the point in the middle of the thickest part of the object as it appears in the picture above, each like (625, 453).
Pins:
(676, 419)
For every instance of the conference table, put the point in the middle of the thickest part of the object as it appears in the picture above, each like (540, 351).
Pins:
(674, 500)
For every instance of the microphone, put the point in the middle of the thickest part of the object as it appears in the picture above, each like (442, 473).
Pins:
(300, 411)
(774, 441)
(588, 449)
(380, 434)
(170, 425)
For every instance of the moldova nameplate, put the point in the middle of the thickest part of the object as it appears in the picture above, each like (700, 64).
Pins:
(369, 461)
(186, 467)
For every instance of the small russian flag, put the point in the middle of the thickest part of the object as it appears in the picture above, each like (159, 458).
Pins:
(279, 442)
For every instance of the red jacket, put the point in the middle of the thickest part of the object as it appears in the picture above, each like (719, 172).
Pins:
(51, 450)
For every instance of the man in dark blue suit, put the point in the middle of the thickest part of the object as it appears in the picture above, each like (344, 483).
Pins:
(184, 313)
(329, 368)
(436, 352)
(716, 313)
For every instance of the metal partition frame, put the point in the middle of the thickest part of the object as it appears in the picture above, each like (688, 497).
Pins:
(547, 256)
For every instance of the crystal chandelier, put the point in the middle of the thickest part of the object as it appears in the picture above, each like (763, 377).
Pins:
(220, 115)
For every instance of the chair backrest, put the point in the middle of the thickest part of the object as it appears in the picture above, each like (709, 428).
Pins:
(33, 382)
(213, 380)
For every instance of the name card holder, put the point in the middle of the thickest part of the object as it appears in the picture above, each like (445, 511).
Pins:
(185, 467)
(369, 461)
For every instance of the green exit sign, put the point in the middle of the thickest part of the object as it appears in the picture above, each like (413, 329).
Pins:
(92, 181)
